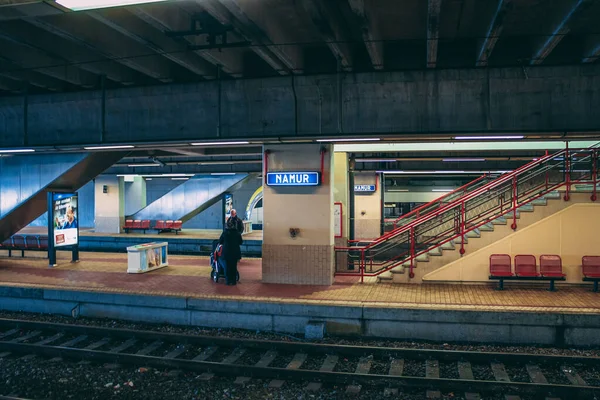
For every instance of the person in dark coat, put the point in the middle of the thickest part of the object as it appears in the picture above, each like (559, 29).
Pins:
(236, 221)
(231, 239)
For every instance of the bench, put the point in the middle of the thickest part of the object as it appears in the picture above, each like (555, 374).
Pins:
(22, 243)
(590, 266)
(526, 269)
(168, 226)
(142, 225)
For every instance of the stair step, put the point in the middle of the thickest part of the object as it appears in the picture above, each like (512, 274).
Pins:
(398, 270)
(510, 215)
(473, 234)
(539, 202)
(552, 195)
(386, 276)
(499, 221)
(423, 258)
(526, 208)
(435, 252)
(489, 227)
(448, 245)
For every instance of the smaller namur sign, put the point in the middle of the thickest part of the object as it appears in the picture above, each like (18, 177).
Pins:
(364, 188)
(293, 179)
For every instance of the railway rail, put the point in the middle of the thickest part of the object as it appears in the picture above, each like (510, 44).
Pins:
(468, 372)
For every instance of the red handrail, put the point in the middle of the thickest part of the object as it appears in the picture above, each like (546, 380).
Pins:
(439, 199)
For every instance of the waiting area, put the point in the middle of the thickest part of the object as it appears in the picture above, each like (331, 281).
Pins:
(145, 225)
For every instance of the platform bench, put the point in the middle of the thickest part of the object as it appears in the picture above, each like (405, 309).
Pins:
(526, 269)
(590, 266)
(25, 243)
(141, 225)
(168, 226)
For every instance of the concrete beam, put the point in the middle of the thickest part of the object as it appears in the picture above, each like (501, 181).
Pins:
(136, 29)
(493, 33)
(112, 46)
(562, 28)
(433, 31)
(175, 19)
(284, 59)
(31, 58)
(369, 32)
(57, 46)
(491, 101)
(11, 85)
(14, 71)
(591, 51)
(331, 28)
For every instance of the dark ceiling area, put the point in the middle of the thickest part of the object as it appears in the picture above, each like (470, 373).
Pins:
(47, 47)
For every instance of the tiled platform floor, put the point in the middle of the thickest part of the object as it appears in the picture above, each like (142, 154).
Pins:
(188, 276)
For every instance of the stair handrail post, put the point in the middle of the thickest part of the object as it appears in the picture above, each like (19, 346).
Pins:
(362, 265)
(514, 205)
(594, 173)
(462, 228)
(567, 171)
(411, 274)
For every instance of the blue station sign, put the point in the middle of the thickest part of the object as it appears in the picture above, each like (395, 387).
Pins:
(293, 179)
(364, 188)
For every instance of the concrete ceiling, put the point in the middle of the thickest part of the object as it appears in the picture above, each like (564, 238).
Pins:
(45, 47)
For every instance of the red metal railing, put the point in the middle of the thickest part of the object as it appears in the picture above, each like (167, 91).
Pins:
(468, 212)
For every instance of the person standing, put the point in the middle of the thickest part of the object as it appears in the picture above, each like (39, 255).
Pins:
(231, 239)
(236, 221)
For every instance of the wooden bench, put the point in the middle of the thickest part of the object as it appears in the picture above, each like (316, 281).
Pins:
(526, 269)
(25, 243)
(590, 266)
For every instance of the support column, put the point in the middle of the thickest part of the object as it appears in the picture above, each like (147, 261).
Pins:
(308, 257)
(110, 206)
(135, 195)
(367, 207)
(340, 195)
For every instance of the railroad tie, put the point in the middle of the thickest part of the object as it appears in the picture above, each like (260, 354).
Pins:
(28, 357)
(266, 359)
(150, 348)
(180, 349)
(73, 342)
(511, 397)
(123, 346)
(296, 363)
(8, 333)
(50, 339)
(205, 354)
(466, 372)
(98, 344)
(328, 366)
(499, 372)
(535, 373)
(396, 367)
(26, 337)
(363, 367)
(432, 371)
(5, 354)
(573, 376)
(234, 356)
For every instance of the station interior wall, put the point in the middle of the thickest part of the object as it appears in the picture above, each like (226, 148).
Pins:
(570, 233)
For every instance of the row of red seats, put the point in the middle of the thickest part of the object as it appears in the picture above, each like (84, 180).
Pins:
(25, 242)
(160, 226)
(550, 268)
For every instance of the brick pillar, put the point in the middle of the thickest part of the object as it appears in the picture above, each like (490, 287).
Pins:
(307, 258)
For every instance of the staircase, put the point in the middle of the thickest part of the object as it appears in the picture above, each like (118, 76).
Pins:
(472, 217)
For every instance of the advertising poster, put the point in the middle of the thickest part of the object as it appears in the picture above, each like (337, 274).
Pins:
(66, 228)
(153, 257)
(228, 199)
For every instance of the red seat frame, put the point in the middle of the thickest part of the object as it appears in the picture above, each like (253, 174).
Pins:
(551, 266)
(526, 266)
(500, 265)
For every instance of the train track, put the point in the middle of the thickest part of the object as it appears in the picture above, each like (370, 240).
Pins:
(389, 368)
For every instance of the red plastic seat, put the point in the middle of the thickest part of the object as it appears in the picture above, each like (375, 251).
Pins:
(128, 224)
(551, 266)
(31, 242)
(146, 224)
(500, 265)
(19, 241)
(177, 225)
(43, 242)
(526, 266)
(169, 224)
(160, 225)
(137, 224)
(591, 266)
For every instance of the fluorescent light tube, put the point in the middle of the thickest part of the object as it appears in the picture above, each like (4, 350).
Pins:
(77, 5)
(375, 160)
(128, 146)
(222, 173)
(349, 140)
(17, 151)
(488, 137)
(441, 190)
(463, 159)
(217, 143)
(397, 190)
(148, 179)
(166, 175)
(144, 165)
(180, 179)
